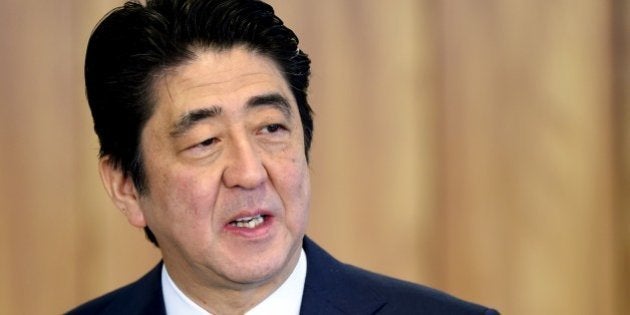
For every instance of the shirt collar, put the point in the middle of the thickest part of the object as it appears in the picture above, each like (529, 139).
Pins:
(286, 300)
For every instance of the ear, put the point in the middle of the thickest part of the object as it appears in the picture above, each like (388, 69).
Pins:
(122, 191)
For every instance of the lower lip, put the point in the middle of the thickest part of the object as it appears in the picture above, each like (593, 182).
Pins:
(259, 231)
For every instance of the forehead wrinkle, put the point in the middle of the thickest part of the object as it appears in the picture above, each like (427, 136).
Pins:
(239, 79)
(202, 81)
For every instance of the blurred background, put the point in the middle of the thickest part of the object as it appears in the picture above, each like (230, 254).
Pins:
(479, 147)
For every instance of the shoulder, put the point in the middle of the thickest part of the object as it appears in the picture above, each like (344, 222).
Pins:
(101, 304)
(403, 296)
(141, 297)
(347, 288)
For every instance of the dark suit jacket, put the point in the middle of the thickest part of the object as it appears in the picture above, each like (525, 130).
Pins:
(330, 288)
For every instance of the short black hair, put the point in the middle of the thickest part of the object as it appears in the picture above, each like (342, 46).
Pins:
(133, 44)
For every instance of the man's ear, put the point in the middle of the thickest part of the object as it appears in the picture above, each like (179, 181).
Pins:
(122, 191)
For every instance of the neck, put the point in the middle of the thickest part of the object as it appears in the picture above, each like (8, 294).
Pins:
(219, 295)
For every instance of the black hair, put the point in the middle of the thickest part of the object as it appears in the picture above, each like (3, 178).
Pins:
(134, 44)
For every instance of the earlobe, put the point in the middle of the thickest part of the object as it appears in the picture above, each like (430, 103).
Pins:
(122, 191)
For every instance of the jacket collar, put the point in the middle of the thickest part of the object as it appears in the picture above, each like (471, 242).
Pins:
(331, 288)
(142, 297)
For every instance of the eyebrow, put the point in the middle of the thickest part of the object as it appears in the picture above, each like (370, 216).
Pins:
(272, 99)
(191, 118)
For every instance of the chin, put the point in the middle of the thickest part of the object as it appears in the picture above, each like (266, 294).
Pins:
(269, 266)
(254, 272)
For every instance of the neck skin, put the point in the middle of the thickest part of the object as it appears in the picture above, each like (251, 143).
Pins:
(219, 295)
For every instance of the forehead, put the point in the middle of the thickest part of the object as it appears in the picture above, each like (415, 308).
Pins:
(223, 78)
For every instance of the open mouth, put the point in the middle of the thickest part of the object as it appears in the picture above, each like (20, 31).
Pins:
(249, 222)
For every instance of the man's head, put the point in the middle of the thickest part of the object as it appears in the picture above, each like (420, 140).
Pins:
(135, 47)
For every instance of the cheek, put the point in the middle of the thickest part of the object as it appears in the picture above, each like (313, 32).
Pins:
(297, 191)
(186, 194)
(304, 185)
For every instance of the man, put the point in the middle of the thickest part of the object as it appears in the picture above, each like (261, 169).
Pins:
(205, 129)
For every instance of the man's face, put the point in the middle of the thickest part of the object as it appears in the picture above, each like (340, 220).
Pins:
(228, 179)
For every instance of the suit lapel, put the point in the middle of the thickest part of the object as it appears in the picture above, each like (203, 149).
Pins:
(330, 287)
(154, 299)
(142, 297)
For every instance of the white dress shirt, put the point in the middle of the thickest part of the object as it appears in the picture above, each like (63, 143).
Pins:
(286, 300)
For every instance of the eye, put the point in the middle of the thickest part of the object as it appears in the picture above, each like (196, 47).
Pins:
(204, 144)
(207, 142)
(273, 128)
(202, 149)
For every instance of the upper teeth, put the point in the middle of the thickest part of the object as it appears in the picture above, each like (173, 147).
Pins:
(249, 222)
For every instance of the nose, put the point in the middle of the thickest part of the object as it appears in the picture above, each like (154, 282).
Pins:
(244, 167)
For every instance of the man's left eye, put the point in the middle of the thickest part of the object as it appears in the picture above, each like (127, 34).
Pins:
(273, 128)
